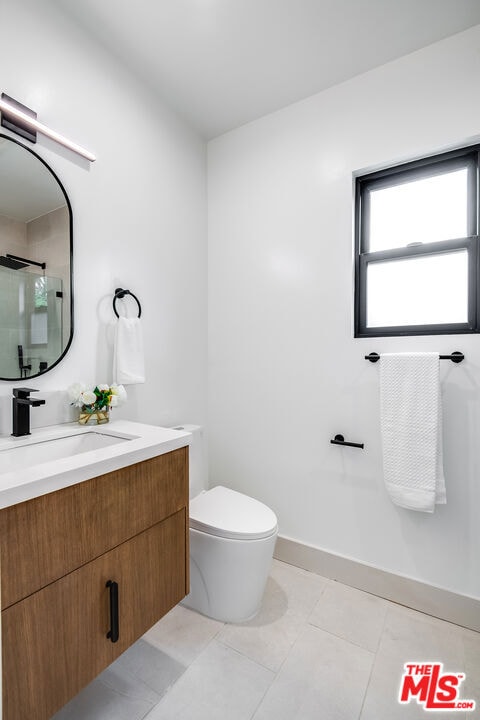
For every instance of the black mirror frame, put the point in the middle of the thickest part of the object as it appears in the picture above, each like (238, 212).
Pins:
(70, 225)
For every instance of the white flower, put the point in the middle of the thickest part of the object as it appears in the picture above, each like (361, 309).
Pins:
(119, 395)
(80, 396)
(74, 392)
(87, 397)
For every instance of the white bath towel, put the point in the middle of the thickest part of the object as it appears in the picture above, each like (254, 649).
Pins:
(128, 358)
(411, 425)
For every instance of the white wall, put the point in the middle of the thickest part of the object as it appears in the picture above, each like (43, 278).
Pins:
(286, 374)
(139, 214)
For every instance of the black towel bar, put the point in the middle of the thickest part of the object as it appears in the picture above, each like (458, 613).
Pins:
(340, 440)
(455, 357)
(119, 294)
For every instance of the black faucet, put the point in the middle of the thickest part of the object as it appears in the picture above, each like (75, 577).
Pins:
(21, 403)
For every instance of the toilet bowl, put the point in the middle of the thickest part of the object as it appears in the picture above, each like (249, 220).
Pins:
(232, 538)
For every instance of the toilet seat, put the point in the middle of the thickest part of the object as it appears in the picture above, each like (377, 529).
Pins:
(230, 514)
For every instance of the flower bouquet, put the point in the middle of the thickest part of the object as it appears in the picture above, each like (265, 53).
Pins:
(95, 404)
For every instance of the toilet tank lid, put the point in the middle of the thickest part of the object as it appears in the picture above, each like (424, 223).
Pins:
(230, 514)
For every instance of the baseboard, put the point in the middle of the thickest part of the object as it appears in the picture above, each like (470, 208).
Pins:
(444, 604)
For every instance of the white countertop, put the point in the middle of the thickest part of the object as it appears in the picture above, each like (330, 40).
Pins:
(142, 443)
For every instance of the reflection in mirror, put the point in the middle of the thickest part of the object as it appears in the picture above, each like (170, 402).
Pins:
(36, 303)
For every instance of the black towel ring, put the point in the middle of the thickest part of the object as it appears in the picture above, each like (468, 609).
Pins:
(120, 294)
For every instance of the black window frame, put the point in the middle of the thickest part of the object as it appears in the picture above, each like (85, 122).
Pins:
(468, 157)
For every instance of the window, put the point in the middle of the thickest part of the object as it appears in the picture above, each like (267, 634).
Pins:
(416, 247)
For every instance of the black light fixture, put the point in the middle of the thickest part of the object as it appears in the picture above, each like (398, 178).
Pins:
(23, 121)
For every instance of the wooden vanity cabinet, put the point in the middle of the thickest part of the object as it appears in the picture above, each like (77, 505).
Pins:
(54, 637)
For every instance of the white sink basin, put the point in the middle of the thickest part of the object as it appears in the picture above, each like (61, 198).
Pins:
(58, 456)
(36, 453)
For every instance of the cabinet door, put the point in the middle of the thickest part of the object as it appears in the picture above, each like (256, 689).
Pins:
(47, 537)
(55, 641)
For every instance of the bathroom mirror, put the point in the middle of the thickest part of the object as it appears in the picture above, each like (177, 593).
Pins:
(36, 298)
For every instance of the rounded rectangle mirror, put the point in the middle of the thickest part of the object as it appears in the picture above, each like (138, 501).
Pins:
(36, 290)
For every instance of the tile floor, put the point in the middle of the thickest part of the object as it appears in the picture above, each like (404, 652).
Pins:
(318, 650)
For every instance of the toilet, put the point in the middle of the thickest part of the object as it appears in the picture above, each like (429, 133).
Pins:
(232, 538)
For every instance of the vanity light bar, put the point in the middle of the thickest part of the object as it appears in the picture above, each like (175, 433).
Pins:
(13, 113)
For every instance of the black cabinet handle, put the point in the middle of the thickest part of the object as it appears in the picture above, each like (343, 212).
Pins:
(113, 632)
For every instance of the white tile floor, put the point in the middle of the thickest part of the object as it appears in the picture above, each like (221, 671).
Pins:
(318, 650)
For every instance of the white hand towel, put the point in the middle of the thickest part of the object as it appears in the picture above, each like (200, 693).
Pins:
(411, 425)
(128, 359)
